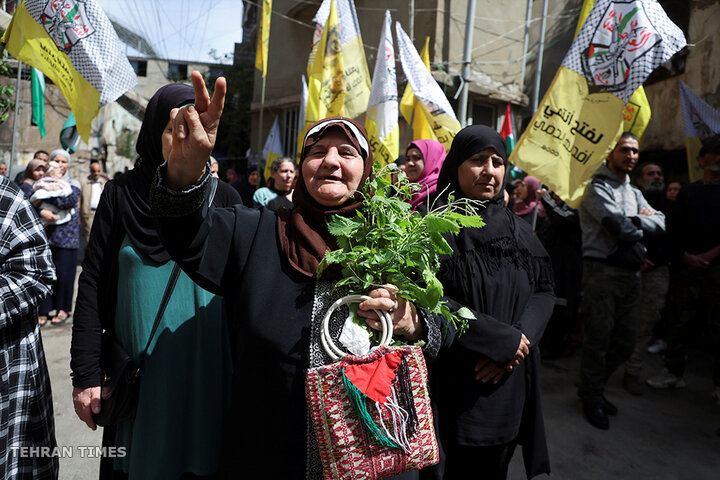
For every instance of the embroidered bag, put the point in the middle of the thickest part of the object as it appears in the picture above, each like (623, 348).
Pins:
(371, 413)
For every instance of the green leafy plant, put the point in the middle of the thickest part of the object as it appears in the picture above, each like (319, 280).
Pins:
(388, 243)
(7, 102)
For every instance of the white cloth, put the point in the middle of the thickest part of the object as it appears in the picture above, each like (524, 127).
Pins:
(97, 189)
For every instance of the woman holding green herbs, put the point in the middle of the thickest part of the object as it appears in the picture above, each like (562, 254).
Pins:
(255, 255)
(486, 387)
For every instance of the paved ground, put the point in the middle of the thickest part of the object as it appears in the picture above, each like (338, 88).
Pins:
(663, 435)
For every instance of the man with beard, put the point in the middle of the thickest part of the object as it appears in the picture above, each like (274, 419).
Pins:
(655, 274)
(696, 269)
(614, 219)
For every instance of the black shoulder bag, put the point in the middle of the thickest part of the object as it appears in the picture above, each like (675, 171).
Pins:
(121, 377)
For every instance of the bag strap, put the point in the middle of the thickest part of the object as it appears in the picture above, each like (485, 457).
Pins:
(161, 311)
(326, 340)
(171, 286)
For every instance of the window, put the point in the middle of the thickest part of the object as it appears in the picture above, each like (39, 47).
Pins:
(140, 67)
(177, 72)
(483, 115)
(290, 132)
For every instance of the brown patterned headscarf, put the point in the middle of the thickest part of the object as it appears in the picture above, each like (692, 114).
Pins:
(302, 231)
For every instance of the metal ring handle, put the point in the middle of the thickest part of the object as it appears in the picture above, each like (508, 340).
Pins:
(326, 340)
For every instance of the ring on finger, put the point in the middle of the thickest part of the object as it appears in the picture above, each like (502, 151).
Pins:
(393, 307)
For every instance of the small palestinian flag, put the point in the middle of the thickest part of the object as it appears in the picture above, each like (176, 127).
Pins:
(507, 131)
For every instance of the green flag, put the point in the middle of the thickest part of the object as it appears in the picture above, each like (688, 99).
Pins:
(69, 136)
(38, 101)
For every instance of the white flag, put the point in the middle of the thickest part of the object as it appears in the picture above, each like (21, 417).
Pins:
(436, 106)
(381, 122)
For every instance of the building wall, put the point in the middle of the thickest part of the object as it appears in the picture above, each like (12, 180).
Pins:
(702, 74)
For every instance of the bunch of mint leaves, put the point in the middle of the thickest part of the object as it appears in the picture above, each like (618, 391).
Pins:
(387, 243)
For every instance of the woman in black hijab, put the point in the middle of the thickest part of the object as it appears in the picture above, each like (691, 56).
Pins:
(486, 387)
(183, 398)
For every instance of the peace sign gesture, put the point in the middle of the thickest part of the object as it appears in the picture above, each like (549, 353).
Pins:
(194, 133)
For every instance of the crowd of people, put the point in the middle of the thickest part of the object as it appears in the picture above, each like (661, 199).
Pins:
(222, 384)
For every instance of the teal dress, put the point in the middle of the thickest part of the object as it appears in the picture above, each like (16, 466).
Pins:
(185, 383)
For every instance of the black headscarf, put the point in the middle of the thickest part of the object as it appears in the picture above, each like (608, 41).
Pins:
(135, 211)
(469, 141)
(244, 188)
(502, 227)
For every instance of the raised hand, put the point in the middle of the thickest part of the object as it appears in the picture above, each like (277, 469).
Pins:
(194, 133)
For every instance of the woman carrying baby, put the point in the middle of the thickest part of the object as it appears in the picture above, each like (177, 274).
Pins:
(64, 239)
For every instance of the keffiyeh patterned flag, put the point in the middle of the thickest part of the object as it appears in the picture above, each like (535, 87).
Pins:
(73, 43)
(702, 121)
(435, 105)
(581, 116)
(381, 122)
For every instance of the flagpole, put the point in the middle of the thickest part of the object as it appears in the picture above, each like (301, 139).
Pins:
(411, 19)
(15, 117)
(541, 47)
(411, 28)
(260, 127)
(528, 17)
(467, 59)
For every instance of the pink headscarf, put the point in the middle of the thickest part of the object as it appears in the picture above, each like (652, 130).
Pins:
(433, 153)
(525, 206)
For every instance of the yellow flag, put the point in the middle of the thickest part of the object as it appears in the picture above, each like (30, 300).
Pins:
(72, 43)
(702, 121)
(636, 114)
(326, 81)
(342, 54)
(411, 108)
(263, 40)
(581, 115)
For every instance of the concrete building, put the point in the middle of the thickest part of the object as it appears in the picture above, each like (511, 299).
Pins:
(698, 65)
(497, 54)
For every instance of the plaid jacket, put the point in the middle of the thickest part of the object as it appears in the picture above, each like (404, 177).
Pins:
(26, 276)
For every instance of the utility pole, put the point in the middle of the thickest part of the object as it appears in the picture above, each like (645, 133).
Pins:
(541, 48)
(467, 60)
(528, 17)
(15, 118)
(411, 19)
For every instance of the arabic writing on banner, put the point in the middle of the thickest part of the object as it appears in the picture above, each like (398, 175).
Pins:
(570, 135)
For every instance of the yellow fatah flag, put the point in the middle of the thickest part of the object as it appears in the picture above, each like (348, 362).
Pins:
(326, 79)
(411, 109)
(580, 117)
(74, 44)
(263, 40)
(381, 121)
(636, 115)
(343, 48)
